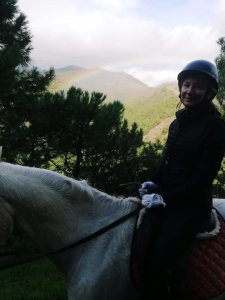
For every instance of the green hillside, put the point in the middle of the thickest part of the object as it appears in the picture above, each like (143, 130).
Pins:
(151, 108)
(151, 114)
(151, 111)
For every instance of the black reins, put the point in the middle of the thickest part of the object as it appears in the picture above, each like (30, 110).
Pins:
(76, 244)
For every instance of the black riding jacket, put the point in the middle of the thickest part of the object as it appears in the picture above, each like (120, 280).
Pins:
(194, 151)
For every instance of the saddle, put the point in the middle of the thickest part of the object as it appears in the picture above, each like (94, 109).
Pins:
(208, 264)
(208, 256)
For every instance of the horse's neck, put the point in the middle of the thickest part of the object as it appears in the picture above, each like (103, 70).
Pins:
(106, 209)
(76, 222)
(59, 222)
(57, 211)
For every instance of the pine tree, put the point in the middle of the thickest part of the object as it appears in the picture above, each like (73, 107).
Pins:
(220, 62)
(15, 46)
(21, 86)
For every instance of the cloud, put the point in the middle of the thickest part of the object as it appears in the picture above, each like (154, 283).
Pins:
(109, 34)
(220, 20)
(154, 77)
(117, 5)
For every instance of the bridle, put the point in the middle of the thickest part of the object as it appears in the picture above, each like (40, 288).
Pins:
(35, 256)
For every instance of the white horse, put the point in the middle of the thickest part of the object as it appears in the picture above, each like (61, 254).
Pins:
(56, 211)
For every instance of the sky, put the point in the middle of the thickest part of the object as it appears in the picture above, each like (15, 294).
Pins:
(151, 40)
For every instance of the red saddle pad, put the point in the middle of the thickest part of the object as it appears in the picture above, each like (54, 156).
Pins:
(208, 265)
(208, 262)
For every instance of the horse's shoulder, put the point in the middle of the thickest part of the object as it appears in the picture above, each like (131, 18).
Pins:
(219, 205)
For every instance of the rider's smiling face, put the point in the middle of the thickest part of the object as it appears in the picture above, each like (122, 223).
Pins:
(194, 90)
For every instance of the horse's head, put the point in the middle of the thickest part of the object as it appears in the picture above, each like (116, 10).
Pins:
(6, 224)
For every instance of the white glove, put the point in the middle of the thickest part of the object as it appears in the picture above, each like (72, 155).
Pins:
(152, 200)
(147, 187)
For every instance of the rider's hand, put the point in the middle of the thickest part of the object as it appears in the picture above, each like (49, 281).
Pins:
(148, 187)
(152, 200)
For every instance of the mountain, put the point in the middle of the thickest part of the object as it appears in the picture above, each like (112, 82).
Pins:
(154, 112)
(151, 108)
(115, 85)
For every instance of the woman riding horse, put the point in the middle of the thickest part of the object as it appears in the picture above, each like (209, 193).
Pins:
(194, 151)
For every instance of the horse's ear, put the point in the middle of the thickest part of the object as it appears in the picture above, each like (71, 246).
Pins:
(6, 225)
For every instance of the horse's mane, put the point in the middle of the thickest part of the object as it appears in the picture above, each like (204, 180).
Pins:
(57, 182)
(63, 185)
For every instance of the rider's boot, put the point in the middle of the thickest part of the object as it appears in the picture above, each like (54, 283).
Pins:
(156, 287)
(180, 278)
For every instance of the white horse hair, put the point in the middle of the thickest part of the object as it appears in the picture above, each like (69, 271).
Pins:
(57, 211)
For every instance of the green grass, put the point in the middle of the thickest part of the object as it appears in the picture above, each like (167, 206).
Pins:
(39, 280)
(151, 113)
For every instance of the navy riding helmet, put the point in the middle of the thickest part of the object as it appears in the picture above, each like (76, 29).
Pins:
(200, 66)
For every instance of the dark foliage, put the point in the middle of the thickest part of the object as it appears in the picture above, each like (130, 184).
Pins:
(220, 62)
(21, 88)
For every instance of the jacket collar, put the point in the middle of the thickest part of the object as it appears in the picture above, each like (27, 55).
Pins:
(200, 111)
